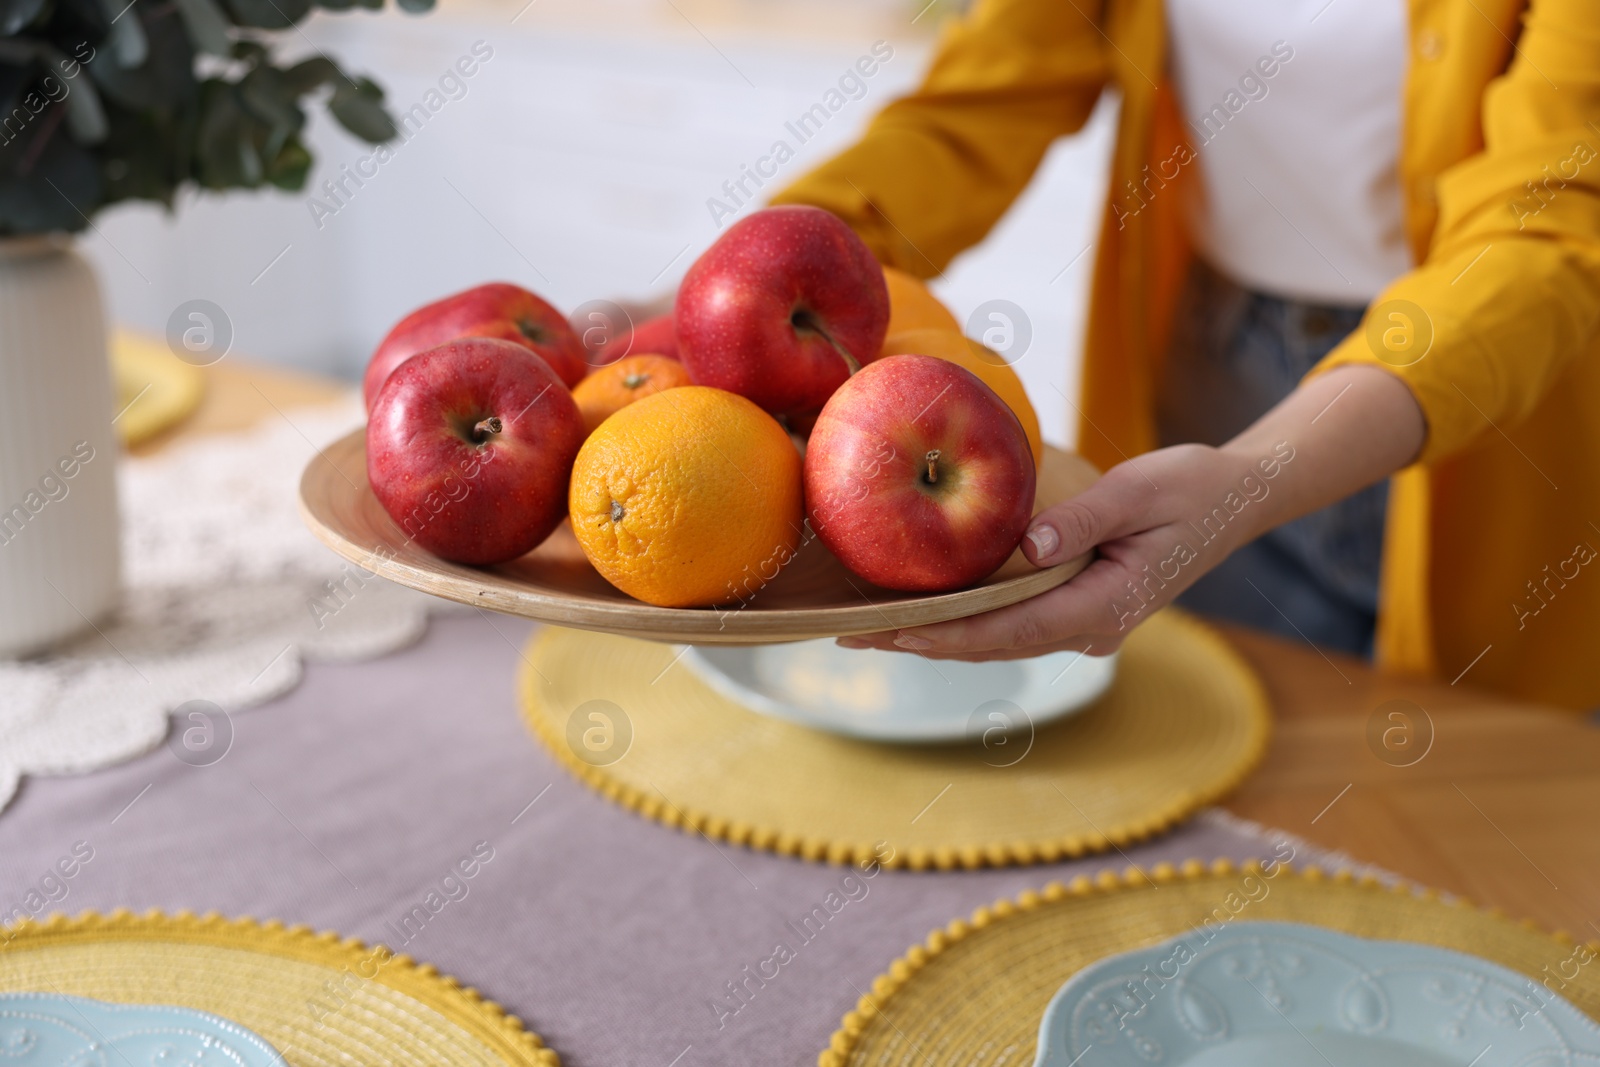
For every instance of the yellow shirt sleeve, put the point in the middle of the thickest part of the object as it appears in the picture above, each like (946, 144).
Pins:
(936, 169)
(1508, 296)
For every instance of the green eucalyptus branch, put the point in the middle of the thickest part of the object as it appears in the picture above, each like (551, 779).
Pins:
(101, 102)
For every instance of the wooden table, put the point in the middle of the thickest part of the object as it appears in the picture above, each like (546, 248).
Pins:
(1503, 807)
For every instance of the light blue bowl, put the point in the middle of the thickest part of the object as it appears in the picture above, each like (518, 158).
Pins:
(1267, 994)
(896, 697)
(52, 1030)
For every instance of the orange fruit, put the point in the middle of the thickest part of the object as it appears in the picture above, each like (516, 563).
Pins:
(688, 497)
(913, 307)
(987, 364)
(613, 387)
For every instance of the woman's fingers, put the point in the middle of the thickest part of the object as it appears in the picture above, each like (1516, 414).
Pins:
(1079, 609)
(1131, 515)
(1114, 506)
(1096, 647)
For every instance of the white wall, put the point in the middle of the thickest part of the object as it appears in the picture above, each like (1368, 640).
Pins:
(578, 163)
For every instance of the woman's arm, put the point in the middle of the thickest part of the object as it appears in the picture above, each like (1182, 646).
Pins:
(1162, 520)
(1508, 295)
(936, 169)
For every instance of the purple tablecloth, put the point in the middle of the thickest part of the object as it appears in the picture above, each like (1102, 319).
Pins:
(345, 803)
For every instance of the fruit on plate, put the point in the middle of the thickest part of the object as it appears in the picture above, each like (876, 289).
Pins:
(782, 309)
(613, 387)
(469, 446)
(913, 307)
(987, 364)
(918, 476)
(655, 337)
(688, 498)
(499, 310)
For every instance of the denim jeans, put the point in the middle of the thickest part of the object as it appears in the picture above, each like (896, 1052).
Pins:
(1234, 354)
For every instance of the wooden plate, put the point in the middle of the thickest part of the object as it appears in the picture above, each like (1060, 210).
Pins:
(814, 596)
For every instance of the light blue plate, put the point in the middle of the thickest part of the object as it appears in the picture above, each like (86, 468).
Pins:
(893, 696)
(51, 1030)
(1275, 994)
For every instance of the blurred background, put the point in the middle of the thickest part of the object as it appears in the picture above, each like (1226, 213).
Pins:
(577, 159)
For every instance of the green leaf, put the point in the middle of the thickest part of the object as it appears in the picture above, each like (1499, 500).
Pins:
(227, 156)
(30, 66)
(15, 14)
(267, 95)
(207, 26)
(15, 77)
(268, 14)
(78, 25)
(86, 118)
(126, 35)
(416, 6)
(290, 167)
(252, 52)
(57, 192)
(167, 81)
(359, 108)
(142, 158)
(309, 74)
(184, 152)
(248, 153)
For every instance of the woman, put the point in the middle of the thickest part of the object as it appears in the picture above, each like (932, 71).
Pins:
(1343, 241)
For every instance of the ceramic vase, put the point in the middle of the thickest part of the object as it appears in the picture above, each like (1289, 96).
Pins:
(59, 537)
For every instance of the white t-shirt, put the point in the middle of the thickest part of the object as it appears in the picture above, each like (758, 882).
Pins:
(1293, 108)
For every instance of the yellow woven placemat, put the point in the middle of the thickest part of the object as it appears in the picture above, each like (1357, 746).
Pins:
(974, 992)
(155, 389)
(1184, 722)
(318, 1000)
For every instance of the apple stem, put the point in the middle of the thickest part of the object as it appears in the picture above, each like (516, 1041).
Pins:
(487, 428)
(933, 466)
(851, 364)
(802, 319)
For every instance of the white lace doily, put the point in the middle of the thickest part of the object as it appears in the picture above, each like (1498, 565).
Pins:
(225, 594)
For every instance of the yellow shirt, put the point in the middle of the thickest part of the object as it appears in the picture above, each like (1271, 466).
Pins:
(1491, 571)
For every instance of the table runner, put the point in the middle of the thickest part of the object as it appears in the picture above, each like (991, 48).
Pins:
(351, 802)
(225, 594)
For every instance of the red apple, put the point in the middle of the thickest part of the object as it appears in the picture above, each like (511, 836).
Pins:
(469, 448)
(782, 308)
(498, 309)
(657, 336)
(919, 477)
(653, 337)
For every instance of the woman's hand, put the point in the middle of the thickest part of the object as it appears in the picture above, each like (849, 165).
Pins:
(1162, 520)
(1159, 522)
